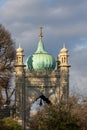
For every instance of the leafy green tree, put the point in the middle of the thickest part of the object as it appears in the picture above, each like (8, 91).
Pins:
(9, 124)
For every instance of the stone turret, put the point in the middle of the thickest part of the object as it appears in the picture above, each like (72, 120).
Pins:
(63, 65)
(20, 83)
(19, 65)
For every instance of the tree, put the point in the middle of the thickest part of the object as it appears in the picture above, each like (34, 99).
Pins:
(9, 124)
(7, 56)
(62, 116)
(55, 117)
(81, 113)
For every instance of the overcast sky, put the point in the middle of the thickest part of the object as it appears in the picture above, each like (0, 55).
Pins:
(63, 21)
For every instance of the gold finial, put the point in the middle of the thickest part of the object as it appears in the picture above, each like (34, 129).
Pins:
(41, 35)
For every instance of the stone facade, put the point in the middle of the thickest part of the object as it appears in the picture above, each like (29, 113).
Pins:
(30, 84)
(42, 83)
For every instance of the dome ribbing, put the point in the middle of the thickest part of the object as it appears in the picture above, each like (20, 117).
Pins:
(41, 60)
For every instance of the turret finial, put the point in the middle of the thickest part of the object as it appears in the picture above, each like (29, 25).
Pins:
(41, 35)
(63, 45)
(19, 45)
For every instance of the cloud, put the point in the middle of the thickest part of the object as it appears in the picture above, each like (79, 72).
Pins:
(78, 73)
(63, 21)
(64, 17)
(78, 83)
(80, 48)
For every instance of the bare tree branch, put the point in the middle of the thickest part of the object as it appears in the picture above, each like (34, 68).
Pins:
(7, 57)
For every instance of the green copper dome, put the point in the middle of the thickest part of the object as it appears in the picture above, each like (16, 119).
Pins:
(41, 60)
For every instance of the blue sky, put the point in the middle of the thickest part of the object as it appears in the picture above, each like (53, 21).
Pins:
(63, 21)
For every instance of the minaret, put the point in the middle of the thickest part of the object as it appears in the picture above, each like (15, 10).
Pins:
(19, 83)
(19, 65)
(63, 66)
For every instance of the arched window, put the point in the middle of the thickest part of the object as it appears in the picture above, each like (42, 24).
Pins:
(39, 104)
(64, 59)
(19, 59)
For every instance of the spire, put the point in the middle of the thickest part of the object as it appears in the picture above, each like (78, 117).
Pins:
(40, 48)
(64, 45)
(41, 35)
(64, 49)
(19, 49)
(19, 45)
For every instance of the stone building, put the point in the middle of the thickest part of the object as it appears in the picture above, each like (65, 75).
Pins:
(43, 76)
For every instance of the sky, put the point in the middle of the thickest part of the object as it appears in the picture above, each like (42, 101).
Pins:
(63, 21)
